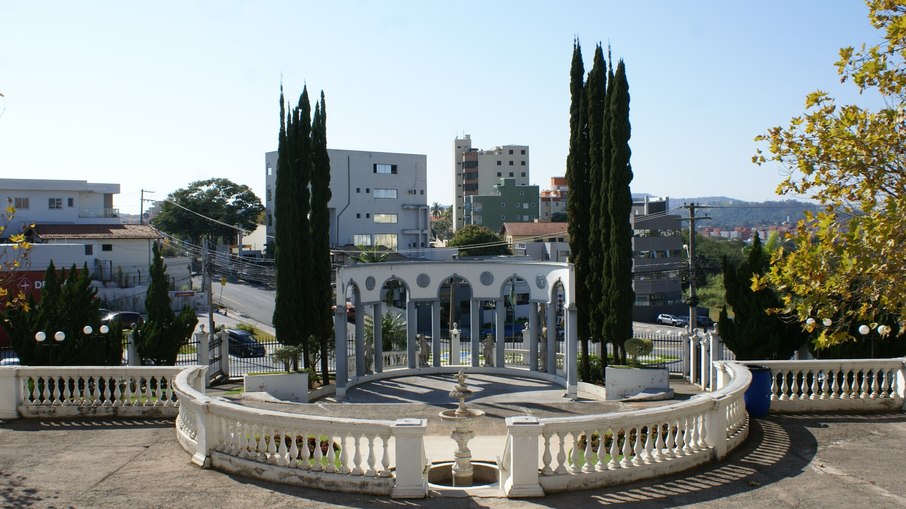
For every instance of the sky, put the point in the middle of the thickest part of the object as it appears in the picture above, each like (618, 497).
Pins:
(155, 95)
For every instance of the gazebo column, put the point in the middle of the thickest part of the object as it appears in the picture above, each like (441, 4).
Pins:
(500, 321)
(475, 329)
(435, 333)
(359, 335)
(411, 331)
(551, 353)
(377, 316)
(339, 326)
(571, 354)
(533, 336)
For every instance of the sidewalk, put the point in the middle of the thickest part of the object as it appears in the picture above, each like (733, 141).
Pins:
(821, 461)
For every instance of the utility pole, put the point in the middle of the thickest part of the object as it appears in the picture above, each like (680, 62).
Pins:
(206, 284)
(141, 206)
(693, 296)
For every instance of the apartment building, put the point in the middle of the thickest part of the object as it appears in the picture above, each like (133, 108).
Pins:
(377, 199)
(477, 172)
(58, 202)
(553, 201)
(658, 258)
(507, 202)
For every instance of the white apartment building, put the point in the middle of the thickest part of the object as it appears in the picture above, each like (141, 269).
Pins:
(476, 172)
(58, 202)
(377, 198)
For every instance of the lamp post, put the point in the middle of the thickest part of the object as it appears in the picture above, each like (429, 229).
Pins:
(865, 330)
(58, 337)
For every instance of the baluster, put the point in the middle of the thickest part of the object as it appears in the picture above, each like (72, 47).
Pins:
(56, 392)
(874, 384)
(814, 394)
(117, 393)
(801, 388)
(601, 453)
(679, 438)
(784, 387)
(147, 400)
(648, 446)
(561, 453)
(331, 456)
(773, 385)
(688, 443)
(701, 432)
(637, 447)
(823, 391)
(371, 472)
(670, 451)
(385, 457)
(577, 454)
(319, 455)
(590, 456)
(293, 449)
(864, 393)
(613, 464)
(885, 383)
(282, 451)
(243, 440)
(306, 454)
(627, 448)
(836, 385)
(659, 444)
(42, 396)
(271, 437)
(170, 401)
(546, 455)
(67, 392)
(159, 392)
(35, 395)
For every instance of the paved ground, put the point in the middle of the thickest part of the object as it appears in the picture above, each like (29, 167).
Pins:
(821, 461)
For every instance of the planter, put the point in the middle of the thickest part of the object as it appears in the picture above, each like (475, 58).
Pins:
(283, 386)
(758, 395)
(623, 382)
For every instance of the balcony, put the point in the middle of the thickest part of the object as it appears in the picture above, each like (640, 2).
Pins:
(99, 213)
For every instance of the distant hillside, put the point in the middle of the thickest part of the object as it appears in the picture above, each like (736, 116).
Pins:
(729, 212)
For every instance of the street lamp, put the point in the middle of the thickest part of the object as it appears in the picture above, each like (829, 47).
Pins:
(58, 337)
(865, 330)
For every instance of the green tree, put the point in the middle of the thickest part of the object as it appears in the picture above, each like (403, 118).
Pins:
(160, 337)
(619, 199)
(393, 332)
(484, 242)
(320, 309)
(599, 213)
(847, 267)
(231, 205)
(68, 303)
(13, 256)
(442, 225)
(579, 203)
(755, 333)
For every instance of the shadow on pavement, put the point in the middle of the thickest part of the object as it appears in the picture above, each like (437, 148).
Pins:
(86, 424)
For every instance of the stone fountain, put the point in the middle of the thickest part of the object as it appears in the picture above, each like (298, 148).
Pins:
(462, 419)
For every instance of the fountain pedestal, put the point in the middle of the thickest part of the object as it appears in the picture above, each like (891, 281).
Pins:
(462, 419)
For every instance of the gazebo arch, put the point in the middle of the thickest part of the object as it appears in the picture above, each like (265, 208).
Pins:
(487, 280)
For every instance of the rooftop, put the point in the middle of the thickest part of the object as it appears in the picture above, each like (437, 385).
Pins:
(95, 231)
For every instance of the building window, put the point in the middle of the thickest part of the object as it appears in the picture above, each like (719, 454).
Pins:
(362, 239)
(270, 171)
(89, 249)
(533, 205)
(358, 215)
(499, 174)
(55, 203)
(503, 205)
(385, 169)
(358, 189)
(511, 163)
(106, 247)
(385, 193)
(499, 163)
(511, 174)
(270, 194)
(522, 151)
(511, 151)
(385, 218)
(367, 190)
(270, 220)
(387, 240)
(70, 202)
(421, 191)
(523, 174)
(521, 163)
(20, 203)
(367, 215)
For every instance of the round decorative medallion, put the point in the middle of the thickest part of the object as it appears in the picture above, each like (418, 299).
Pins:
(422, 280)
(540, 281)
(486, 278)
(369, 283)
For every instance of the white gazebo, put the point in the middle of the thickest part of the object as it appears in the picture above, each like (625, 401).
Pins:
(488, 280)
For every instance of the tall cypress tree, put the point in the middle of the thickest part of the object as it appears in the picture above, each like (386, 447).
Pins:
(320, 234)
(599, 225)
(288, 321)
(578, 206)
(159, 338)
(621, 296)
(302, 136)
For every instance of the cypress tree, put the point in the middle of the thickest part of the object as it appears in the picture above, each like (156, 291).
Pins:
(599, 225)
(621, 296)
(159, 338)
(302, 136)
(320, 235)
(753, 333)
(578, 205)
(288, 299)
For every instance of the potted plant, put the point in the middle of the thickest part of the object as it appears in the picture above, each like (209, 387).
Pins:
(287, 386)
(634, 377)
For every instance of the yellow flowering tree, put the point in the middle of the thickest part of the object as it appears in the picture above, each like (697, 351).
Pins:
(849, 265)
(13, 256)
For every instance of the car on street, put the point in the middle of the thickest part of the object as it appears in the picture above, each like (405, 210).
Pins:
(127, 319)
(704, 321)
(244, 344)
(676, 321)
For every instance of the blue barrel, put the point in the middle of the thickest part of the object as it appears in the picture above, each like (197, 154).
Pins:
(758, 395)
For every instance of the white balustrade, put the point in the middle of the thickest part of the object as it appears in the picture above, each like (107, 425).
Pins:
(836, 385)
(395, 359)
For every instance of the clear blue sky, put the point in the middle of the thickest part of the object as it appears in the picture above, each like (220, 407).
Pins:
(155, 95)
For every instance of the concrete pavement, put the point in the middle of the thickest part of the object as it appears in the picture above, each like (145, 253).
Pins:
(821, 461)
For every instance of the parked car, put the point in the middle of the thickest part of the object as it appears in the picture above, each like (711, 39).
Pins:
(676, 321)
(704, 321)
(244, 344)
(128, 319)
